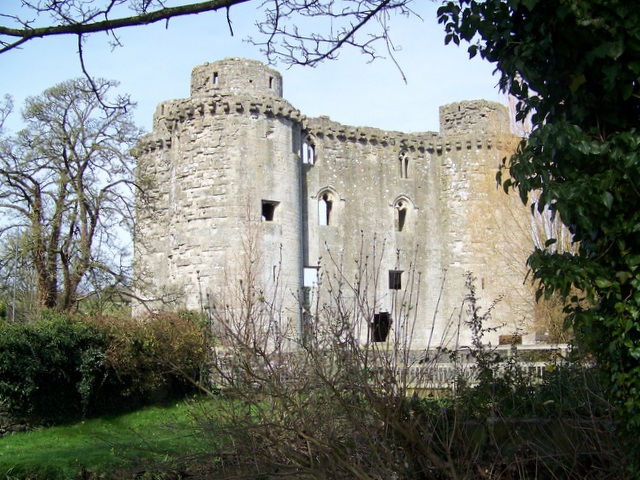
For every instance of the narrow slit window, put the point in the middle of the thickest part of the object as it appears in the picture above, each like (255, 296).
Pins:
(215, 78)
(403, 164)
(325, 204)
(270, 82)
(395, 279)
(269, 211)
(381, 326)
(308, 152)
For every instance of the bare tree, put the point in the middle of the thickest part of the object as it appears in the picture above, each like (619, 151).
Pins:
(66, 184)
(17, 280)
(294, 31)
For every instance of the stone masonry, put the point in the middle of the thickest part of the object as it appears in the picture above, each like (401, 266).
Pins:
(243, 189)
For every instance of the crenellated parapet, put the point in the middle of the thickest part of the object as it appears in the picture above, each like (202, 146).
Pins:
(236, 86)
(170, 114)
(429, 142)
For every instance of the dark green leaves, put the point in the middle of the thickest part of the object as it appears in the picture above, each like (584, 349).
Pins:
(575, 66)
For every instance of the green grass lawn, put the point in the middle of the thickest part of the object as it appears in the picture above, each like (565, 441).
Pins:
(147, 440)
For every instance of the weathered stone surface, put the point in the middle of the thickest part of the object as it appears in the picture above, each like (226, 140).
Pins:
(239, 186)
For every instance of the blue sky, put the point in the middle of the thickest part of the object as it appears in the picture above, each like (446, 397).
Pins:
(154, 64)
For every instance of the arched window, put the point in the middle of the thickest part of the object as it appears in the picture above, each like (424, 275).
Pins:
(403, 207)
(400, 215)
(325, 204)
(403, 164)
(308, 153)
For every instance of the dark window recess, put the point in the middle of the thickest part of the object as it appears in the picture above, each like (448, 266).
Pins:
(381, 326)
(269, 211)
(395, 279)
(401, 216)
(215, 78)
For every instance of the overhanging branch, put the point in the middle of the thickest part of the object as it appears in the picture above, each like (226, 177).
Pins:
(81, 28)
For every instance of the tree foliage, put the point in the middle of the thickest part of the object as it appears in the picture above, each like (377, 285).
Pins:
(65, 186)
(61, 366)
(574, 65)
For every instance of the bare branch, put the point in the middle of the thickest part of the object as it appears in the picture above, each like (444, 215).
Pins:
(6, 107)
(303, 32)
(86, 24)
(295, 37)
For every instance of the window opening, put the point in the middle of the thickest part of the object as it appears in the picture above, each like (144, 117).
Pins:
(403, 164)
(325, 205)
(381, 326)
(269, 211)
(310, 277)
(395, 279)
(401, 215)
(308, 152)
(270, 82)
(215, 78)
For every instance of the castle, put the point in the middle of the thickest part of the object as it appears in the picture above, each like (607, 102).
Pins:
(243, 189)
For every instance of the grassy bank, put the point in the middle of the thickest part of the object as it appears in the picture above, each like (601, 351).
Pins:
(136, 444)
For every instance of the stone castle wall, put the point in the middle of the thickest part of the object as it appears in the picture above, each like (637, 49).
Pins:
(242, 186)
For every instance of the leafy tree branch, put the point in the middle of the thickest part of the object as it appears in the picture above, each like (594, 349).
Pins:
(574, 66)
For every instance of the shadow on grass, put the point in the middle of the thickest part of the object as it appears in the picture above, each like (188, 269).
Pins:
(125, 446)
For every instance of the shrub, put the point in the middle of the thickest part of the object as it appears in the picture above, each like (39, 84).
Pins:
(62, 367)
(161, 353)
(48, 368)
(334, 408)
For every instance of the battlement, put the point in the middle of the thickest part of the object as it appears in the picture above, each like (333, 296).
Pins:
(235, 76)
(457, 133)
(432, 142)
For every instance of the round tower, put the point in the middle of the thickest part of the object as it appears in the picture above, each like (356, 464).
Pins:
(226, 193)
(478, 117)
(236, 76)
